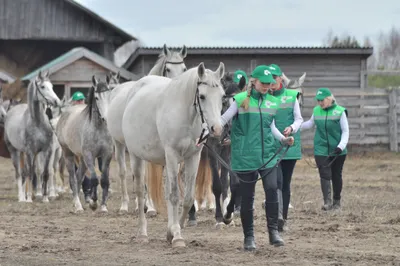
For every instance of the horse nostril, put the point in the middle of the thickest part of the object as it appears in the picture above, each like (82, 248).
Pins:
(212, 128)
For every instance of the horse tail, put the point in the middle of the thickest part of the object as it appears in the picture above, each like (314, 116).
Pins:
(154, 178)
(203, 178)
(61, 170)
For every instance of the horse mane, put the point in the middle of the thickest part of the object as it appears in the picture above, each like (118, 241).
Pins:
(159, 66)
(34, 106)
(91, 109)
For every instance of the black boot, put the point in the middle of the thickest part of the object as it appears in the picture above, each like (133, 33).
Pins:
(272, 212)
(280, 216)
(248, 230)
(336, 204)
(326, 192)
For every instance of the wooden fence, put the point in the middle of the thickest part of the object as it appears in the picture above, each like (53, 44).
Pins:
(372, 114)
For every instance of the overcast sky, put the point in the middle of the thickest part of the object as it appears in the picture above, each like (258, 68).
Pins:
(246, 23)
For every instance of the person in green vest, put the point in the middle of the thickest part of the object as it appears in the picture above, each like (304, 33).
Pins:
(253, 135)
(330, 145)
(238, 75)
(288, 120)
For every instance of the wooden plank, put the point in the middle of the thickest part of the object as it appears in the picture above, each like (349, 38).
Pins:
(393, 121)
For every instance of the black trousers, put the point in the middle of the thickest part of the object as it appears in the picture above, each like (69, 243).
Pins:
(285, 172)
(247, 192)
(332, 172)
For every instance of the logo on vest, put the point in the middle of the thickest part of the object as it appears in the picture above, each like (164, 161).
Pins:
(268, 104)
(285, 98)
(335, 112)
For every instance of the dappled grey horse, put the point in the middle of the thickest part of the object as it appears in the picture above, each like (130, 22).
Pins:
(28, 133)
(82, 132)
(219, 146)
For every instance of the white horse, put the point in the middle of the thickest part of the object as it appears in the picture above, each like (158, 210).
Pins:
(161, 123)
(170, 64)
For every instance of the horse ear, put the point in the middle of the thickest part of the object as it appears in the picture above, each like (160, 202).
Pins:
(118, 75)
(220, 70)
(286, 80)
(201, 70)
(242, 82)
(47, 74)
(94, 81)
(183, 51)
(302, 78)
(108, 79)
(166, 50)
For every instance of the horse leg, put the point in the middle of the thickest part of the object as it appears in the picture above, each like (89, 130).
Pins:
(191, 167)
(105, 181)
(16, 159)
(120, 156)
(30, 161)
(47, 172)
(217, 190)
(172, 192)
(37, 179)
(52, 178)
(234, 185)
(88, 159)
(70, 163)
(62, 165)
(138, 171)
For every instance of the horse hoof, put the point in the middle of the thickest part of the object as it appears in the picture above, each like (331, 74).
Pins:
(93, 205)
(103, 208)
(29, 200)
(191, 223)
(79, 210)
(21, 200)
(38, 195)
(151, 213)
(227, 220)
(219, 226)
(123, 210)
(142, 239)
(178, 243)
(45, 199)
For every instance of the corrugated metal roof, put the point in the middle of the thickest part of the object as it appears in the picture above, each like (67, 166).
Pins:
(253, 50)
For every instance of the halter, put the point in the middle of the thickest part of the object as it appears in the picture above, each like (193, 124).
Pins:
(169, 62)
(45, 105)
(205, 133)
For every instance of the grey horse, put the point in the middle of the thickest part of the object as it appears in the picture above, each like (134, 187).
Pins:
(82, 133)
(28, 133)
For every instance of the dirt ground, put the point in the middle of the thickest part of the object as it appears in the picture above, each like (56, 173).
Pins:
(365, 232)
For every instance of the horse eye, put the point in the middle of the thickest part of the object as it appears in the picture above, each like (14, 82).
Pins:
(42, 87)
(96, 98)
(202, 97)
(184, 69)
(168, 70)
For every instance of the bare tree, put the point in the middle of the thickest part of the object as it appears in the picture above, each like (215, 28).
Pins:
(389, 49)
(345, 40)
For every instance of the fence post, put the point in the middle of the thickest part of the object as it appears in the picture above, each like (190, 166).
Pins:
(393, 120)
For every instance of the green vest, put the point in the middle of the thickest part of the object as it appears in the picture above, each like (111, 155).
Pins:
(328, 131)
(284, 118)
(252, 142)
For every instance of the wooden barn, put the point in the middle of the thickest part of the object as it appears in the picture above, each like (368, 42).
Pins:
(73, 71)
(33, 33)
(337, 68)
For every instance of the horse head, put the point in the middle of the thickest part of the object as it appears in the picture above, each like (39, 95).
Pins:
(44, 90)
(210, 94)
(173, 64)
(295, 85)
(112, 80)
(99, 96)
(54, 112)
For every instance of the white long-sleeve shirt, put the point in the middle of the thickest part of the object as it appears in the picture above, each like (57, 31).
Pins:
(344, 125)
(298, 118)
(233, 110)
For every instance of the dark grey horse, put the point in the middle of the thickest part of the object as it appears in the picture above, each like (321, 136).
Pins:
(222, 147)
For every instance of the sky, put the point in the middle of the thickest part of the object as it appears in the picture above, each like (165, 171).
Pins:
(246, 23)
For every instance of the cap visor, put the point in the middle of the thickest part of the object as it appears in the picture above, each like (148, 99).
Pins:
(267, 80)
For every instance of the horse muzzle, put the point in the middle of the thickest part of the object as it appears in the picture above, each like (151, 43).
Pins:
(216, 130)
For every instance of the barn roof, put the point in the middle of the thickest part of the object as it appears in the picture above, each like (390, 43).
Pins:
(76, 54)
(258, 50)
(6, 77)
(102, 20)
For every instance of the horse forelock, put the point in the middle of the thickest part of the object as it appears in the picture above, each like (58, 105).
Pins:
(159, 67)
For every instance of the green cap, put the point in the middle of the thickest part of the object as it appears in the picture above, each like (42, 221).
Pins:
(322, 93)
(275, 70)
(238, 75)
(78, 96)
(263, 74)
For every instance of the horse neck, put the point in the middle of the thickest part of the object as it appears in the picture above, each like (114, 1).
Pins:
(36, 108)
(158, 68)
